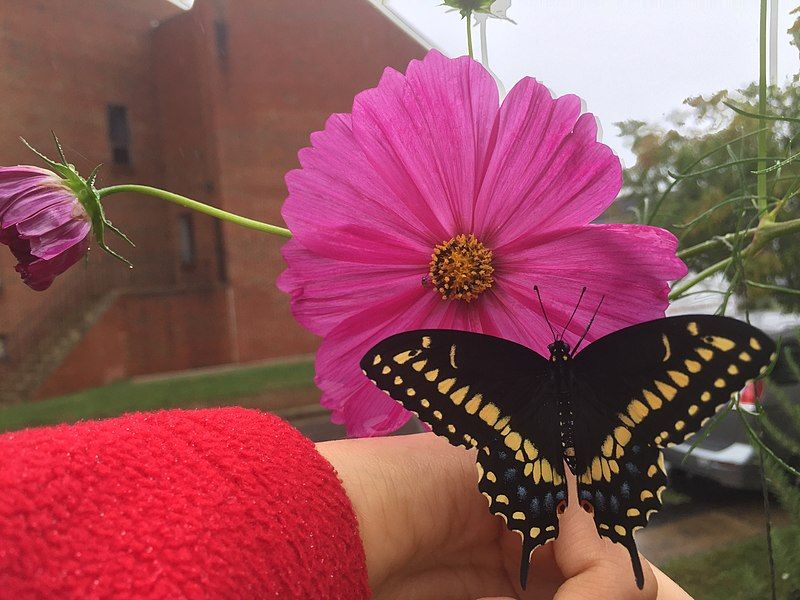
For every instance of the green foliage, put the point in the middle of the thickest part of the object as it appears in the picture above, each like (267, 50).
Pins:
(740, 571)
(261, 387)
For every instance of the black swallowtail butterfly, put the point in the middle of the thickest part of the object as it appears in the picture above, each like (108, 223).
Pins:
(606, 412)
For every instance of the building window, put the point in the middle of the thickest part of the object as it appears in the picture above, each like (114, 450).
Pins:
(187, 247)
(221, 37)
(119, 134)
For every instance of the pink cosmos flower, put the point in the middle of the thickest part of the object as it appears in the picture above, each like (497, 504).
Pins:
(432, 206)
(42, 222)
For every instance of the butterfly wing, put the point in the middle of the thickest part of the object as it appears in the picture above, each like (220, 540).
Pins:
(484, 392)
(642, 388)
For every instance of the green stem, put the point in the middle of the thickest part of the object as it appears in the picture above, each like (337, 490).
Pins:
(469, 33)
(195, 205)
(762, 109)
(685, 286)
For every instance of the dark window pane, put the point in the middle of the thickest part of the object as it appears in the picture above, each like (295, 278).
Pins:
(119, 134)
(186, 240)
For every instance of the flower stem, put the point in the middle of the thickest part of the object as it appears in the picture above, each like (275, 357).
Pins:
(762, 109)
(195, 205)
(468, 19)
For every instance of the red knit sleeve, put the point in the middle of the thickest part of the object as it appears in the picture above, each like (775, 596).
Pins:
(200, 504)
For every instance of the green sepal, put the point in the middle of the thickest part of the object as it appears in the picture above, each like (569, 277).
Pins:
(467, 7)
(86, 194)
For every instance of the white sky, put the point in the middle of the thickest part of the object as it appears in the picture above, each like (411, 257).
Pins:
(626, 58)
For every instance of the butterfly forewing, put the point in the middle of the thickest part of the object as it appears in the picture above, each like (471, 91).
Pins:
(484, 392)
(648, 386)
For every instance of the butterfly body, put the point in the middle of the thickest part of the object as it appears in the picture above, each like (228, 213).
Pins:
(603, 413)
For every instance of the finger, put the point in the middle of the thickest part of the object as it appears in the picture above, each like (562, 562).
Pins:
(593, 564)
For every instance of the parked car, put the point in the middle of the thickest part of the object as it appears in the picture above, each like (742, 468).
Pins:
(726, 455)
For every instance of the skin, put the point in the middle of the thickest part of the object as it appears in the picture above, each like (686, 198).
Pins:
(427, 532)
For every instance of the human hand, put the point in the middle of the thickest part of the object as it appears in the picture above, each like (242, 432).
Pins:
(428, 533)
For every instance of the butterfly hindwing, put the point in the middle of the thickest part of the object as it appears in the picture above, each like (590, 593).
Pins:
(645, 387)
(484, 392)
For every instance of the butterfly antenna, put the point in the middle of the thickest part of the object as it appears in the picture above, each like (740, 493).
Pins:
(599, 304)
(583, 291)
(544, 312)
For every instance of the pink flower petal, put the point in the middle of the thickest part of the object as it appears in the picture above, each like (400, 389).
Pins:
(628, 264)
(366, 410)
(46, 220)
(56, 241)
(34, 201)
(337, 191)
(428, 137)
(325, 293)
(39, 274)
(547, 170)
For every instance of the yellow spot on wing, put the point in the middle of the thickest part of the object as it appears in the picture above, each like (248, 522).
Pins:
(720, 383)
(680, 379)
(665, 341)
(519, 516)
(547, 471)
(386, 370)
(633, 512)
(705, 353)
(432, 375)
(528, 469)
(733, 370)
(535, 531)
(606, 469)
(437, 414)
(745, 357)
(411, 392)
(608, 446)
(398, 380)
(376, 360)
(679, 425)
(720, 343)
(645, 495)
(445, 385)
(692, 328)
(653, 400)
(426, 342)
(693, 410)
(502, 499)
(451, 428)
(620, 529)
(692, 366)
(420, 364)
(705, 396)
(622, 435)
(513, 440)
(491, 477)
(425, 403)
(502, 423)
(489, 413)
(530, 449)
(666, 390)
(404, 357)
(458, 396)
(637, 411)
(597, 470)
(453, 356)
(473, 404)
(537, 471)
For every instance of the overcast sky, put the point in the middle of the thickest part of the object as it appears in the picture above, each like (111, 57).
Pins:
(625, 58)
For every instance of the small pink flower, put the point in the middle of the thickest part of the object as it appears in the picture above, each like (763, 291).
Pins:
(42, 222)
(432, 206)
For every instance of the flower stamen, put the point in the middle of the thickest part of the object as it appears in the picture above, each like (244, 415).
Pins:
(461, 268)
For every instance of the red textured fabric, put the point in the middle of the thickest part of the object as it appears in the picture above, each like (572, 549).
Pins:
(224, 503)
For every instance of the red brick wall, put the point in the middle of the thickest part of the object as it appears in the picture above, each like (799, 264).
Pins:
(147, 333)
(288, 66)
(222, 129)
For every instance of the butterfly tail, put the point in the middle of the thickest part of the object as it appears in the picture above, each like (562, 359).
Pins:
(525, 565)
(636, 562)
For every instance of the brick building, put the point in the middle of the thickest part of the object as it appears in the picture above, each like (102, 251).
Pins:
(212, 103)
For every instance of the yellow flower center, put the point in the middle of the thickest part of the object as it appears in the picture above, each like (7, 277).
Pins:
(461, 268)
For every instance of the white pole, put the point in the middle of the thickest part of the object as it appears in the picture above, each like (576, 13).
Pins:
(773, 42)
